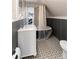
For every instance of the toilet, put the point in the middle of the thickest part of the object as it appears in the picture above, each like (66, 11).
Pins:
(63, 44)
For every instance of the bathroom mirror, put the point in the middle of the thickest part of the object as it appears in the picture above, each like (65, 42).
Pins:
(27, 12)
(30, 15)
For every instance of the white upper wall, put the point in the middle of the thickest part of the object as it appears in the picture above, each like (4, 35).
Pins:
(55, 8)
(58, 8)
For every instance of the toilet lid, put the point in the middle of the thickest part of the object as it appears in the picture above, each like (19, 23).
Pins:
(63, 44)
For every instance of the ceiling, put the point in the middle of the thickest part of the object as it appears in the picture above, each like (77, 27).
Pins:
(55, 8)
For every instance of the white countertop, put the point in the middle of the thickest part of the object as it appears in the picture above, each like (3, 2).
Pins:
(28, 28)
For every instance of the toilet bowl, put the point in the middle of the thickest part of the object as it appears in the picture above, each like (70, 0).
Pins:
(63, 44)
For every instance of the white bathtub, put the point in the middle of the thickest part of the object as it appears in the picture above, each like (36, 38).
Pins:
(44, 32)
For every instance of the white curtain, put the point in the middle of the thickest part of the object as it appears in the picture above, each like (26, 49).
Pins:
(42, 16)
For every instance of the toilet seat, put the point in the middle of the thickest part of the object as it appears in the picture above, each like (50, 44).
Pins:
(63, 44)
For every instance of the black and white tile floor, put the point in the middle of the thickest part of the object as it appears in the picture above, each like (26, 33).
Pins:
(48, 49)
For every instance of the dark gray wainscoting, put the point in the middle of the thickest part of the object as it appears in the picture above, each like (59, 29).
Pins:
(59, 27)
(15, 26)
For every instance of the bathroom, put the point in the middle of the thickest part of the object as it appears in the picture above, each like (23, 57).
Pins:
(45, 29)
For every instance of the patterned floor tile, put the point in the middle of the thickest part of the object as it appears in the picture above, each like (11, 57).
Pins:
(48, 49)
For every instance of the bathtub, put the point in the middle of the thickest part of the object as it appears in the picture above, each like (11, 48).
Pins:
(44, 32)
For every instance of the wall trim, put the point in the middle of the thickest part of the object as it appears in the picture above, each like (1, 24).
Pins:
(59, 17)
(17, 19)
